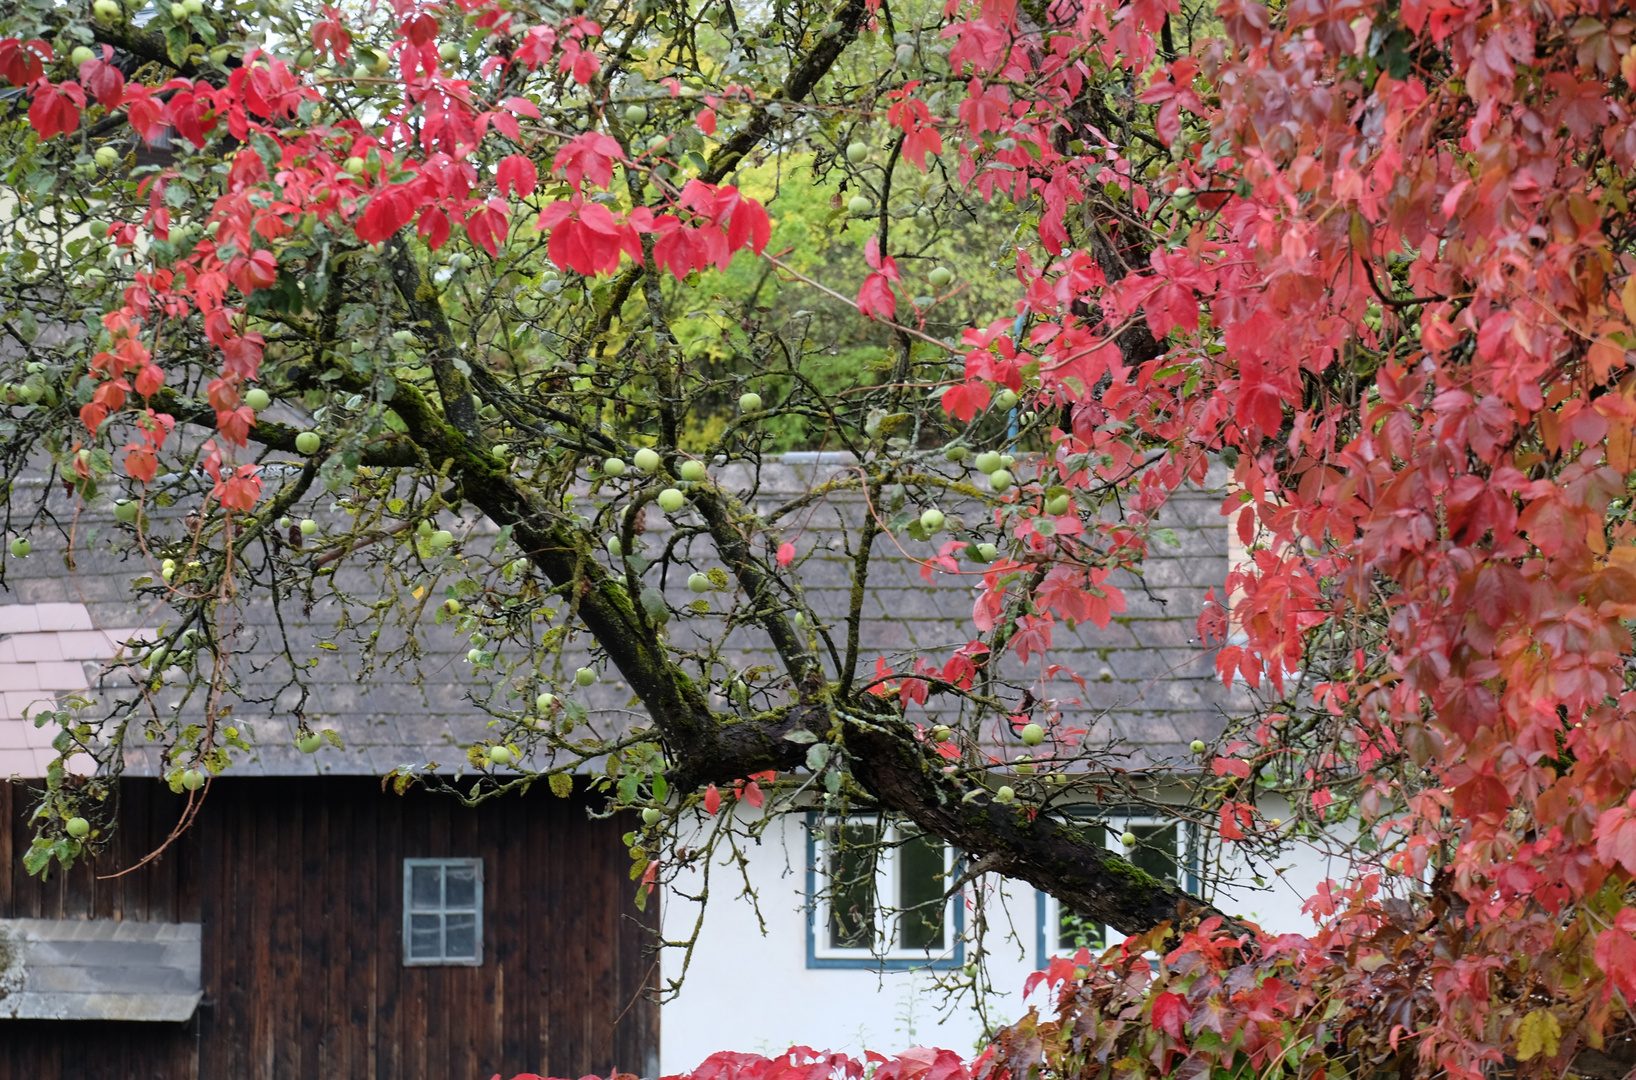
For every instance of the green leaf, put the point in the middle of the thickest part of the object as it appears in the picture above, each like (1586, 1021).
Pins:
(818, 757)
(801, 736)
(562, 785)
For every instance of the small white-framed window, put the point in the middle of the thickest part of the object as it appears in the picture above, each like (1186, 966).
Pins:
(443, 912)
(879, 899)
(1162, 849)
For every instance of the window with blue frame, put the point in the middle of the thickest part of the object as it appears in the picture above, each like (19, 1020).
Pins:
(876, 894)
(1161, 849)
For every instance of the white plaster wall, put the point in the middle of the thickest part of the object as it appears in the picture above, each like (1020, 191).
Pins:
(755, 993)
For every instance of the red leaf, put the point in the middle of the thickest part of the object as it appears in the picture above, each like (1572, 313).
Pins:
(434, 226)
(56, 109)
(516, 174)
(1170, 1014)
(965, 400)
(875, 298)
(706, 121)
(487, 229)
(786, 553)
(712, 800)
(106, 82)
(20, 62)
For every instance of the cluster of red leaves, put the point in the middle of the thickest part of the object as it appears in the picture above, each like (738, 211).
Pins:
(427, 147)
(1474, 481)
(805, 1063)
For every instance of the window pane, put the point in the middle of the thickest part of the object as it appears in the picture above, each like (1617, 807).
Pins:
(460, 937)
(920, 894)
(1155, 850)
(1075, 932)
(460, 885)
(425, 937)
(852, 886)
(426, 887)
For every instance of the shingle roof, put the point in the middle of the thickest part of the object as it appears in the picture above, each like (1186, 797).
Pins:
(1148, 679)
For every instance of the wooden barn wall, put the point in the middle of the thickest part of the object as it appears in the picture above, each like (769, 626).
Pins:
(298, 883)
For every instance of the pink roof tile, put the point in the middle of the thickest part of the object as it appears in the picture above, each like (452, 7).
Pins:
(63, 617)
(33, 648)
(89, 644)
(62, 675)
(19, 619)
(18, 677)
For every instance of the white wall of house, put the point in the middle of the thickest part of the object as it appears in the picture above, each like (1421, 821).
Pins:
(755, 992)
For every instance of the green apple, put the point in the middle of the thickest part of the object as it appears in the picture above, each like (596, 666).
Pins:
(258, 399)
(178, 12)
(355, 165)
(107, 157)
(698, 582)
(931, 519)
(636, 115)
(1057, 505)
(309, 742)
(999, 479)
(20, 547)
(501, 755)
(308, 442)
(585, 676)
(1005, 794)
(615, 548)
(750, 402)
(125, 511)
(451, 607)
(1024, 766)
(1197, 746)
(1006, 399)
(657, 142)
(474, 655)
(651, 815)
(106, 10)
(859, 205)
(440, 540)
(692, 470)
(80, 55)
(78, 828)
(941, 733)
(647, 460)
(99, 229)
(614, 466)
(192, 7)
(987, 553)
(545, 702)
(380, 63)
(448, 52)
(955, 452)
(1006, 461)
(308, 527)
(857, 152)
(941, 277)
(1128, 838)
(1032, 734)
(167, 569)
(192, 779)
(285, 523)
(671, 500)
(988, 461)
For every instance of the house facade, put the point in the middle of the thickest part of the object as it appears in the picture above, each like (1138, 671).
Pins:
(330, 927)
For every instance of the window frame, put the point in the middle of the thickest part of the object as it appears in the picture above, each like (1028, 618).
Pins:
(443, 911)
(820, 954)
(1047, 909)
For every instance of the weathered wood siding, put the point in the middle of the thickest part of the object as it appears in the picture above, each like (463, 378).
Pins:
(299, 885)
